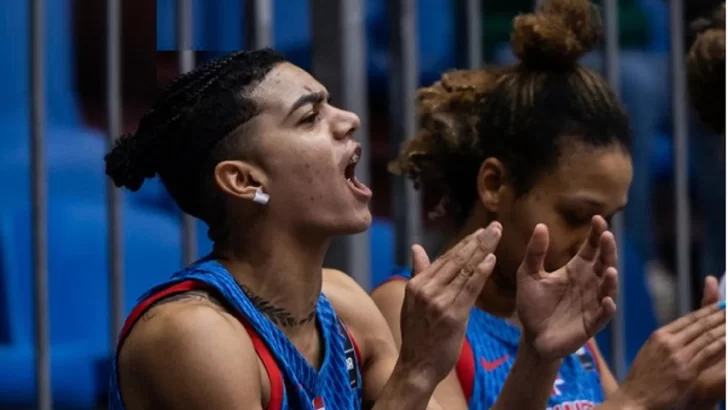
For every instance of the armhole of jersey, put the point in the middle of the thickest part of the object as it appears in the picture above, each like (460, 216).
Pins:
(392, 279)
(356, 350)
(595, 357)
(465, 369)
(271, 368)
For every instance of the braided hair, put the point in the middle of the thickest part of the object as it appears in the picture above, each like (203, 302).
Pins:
(521, 114)
(189, 129)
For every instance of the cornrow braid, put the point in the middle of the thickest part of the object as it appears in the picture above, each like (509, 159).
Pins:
(176, 137)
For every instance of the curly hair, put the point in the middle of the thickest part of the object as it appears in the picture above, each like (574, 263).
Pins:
(522, 114)
(705, 68)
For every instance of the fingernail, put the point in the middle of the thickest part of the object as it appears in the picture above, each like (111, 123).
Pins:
(490, 258)
(721, 305)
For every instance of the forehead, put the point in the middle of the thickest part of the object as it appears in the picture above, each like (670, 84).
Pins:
(283, 85)
(603, 173)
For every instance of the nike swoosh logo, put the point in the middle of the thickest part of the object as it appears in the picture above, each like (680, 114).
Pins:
(490, 366)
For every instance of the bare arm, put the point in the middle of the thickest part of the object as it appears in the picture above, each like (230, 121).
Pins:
(190, 357)
(387, 384)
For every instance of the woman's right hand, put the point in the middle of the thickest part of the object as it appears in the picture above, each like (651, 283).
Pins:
(438, 300)
(672, 358)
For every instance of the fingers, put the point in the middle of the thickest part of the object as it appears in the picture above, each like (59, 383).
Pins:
(588, 249)
(437, 264)
(473, 285)
(606, 254)
(701, 327)
(710, 348)
(607, 309)
(536, 251)
(420, 260)
(610, 284)
(711, 293)
(467, 258)
(693, 317)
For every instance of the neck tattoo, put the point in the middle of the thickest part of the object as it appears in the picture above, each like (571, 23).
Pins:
(279, 316)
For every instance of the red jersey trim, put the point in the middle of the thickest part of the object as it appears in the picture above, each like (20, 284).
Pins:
(465, 369)
(593, 352)
(274, 374)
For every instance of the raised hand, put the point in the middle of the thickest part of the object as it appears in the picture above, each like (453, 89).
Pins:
(438, 300)
(561, 310)
(709, 388)
(668, 364)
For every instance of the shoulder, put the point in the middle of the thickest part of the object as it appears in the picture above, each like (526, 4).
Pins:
(350, 301)
(359, 312)
(189, 353)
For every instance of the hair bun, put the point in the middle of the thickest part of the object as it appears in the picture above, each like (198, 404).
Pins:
(125, 164)
(557, 34)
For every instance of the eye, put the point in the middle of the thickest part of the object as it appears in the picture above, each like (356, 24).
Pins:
(311, 118)
(575, 219)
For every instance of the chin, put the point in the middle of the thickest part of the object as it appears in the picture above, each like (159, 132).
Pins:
(358, 224)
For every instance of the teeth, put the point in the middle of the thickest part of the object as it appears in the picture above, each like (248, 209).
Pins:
(354, 159)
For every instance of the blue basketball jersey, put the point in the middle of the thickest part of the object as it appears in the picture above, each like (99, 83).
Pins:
(488, 354)
(336, 385)
(493, 343)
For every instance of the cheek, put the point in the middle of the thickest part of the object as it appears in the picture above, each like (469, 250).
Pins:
(305, 173)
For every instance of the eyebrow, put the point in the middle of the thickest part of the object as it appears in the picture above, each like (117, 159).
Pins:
(311, 98)
(593, 203)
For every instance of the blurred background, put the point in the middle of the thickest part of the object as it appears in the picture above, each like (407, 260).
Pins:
(370, 52)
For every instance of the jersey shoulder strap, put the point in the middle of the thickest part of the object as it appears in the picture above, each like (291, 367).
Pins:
(277, 389)
(353, 356)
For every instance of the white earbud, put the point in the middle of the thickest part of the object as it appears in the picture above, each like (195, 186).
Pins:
(261, 197)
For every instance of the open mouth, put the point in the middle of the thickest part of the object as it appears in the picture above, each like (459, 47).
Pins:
(356, 186)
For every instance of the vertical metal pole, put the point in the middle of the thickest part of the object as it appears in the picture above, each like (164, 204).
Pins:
(339, 62)
(186, 64)
(611, 70)
(39, 203)
(403, 80)
(680, 137)
(114, 209)
(474, 23)
(259, 24)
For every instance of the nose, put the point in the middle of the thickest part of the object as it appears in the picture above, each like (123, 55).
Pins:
(345, 125)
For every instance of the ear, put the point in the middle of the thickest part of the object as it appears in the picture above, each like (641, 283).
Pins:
(492, 183)
(239, 179)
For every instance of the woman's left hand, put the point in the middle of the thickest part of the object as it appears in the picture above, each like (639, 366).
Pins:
(709, 388)
(561, 310)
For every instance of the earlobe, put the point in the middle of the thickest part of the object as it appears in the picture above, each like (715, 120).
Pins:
(241, 180)
(492, 179)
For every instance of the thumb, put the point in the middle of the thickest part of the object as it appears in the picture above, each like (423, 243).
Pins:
(535, 252)
(420, 260)
(710, 291)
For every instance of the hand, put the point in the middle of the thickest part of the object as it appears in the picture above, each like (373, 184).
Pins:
(709, 389)
(438, 301)
(667, 365)
(560, 311)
